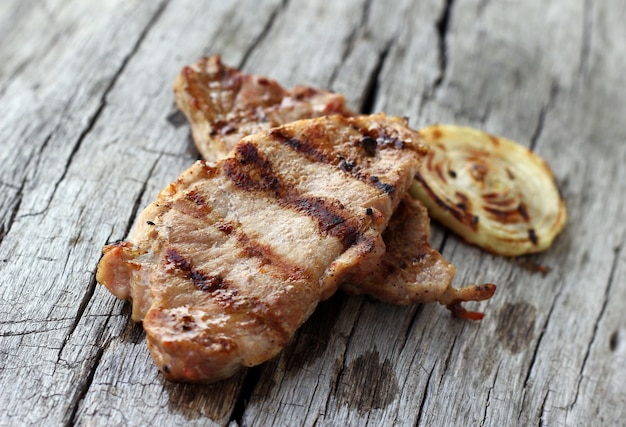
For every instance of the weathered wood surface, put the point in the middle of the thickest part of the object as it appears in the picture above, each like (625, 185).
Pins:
(89, 134)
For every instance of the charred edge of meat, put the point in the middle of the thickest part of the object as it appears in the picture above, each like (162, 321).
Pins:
(382, 186)
(201, 280)
(331, 222)
(346, 165)
(313, 154)
(457, 211)
(198, 84)
(249, 171)
(368, 144)
(309, 151)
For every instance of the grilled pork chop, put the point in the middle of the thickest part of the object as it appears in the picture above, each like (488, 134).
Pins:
(233, 257)
(411, 271)
(224, 104)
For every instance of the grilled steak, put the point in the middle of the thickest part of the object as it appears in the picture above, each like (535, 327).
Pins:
(223, 104)
(233, 257)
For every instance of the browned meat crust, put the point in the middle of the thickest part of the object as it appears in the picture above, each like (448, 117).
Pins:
(224, 105)
(233, 257)
(412, 271)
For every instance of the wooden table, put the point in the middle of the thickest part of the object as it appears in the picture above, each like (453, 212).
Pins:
(90, 134)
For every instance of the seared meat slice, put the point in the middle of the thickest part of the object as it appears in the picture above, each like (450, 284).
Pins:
(224, 105)
(233, 257)
(411, 271)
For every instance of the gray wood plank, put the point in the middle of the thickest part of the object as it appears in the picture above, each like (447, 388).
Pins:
(89, 136)
(48, 214)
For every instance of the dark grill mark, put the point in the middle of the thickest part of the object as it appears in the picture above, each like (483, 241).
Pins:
(251, 172)
(387, 141)
(346, 165)
(462, 216)
(533, 236)
(384, 187)
(329, 221)
(309, 151)
(369, 143)
(494, 139)
(465, 204)
(508, 216)
(193, 204)
(225, 227)
(497, 199)
(442, 178)
(523, 211)
(195, 197)
(266, 256)
(510, 174)
(201, 280)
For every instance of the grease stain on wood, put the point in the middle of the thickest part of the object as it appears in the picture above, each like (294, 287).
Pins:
(616, 341)
(515, 325)
(314, 335)
(367, 383)
(176, 119)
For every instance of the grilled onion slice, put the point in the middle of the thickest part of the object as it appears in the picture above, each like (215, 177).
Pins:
(491, 191)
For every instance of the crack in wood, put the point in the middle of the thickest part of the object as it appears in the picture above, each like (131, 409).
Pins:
(82, 307)
(249, 383)
(341, 359)
(540, 338)
(587, 38)
(482, 5)
(373, 84)
(542, 410)
(444, 240)
(359, 29)
(83, 388)
(616, 256)
(488, 403)
(554, 90)
(443, 24)
(5, 228)
(446, 363)
(103, 100)
(137, 204)
(414, 319)
(422, 404)
(268, 26)
(348, 45)
(7, 334)
(534, 358)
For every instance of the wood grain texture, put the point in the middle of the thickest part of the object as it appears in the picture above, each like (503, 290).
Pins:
(89, 134)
